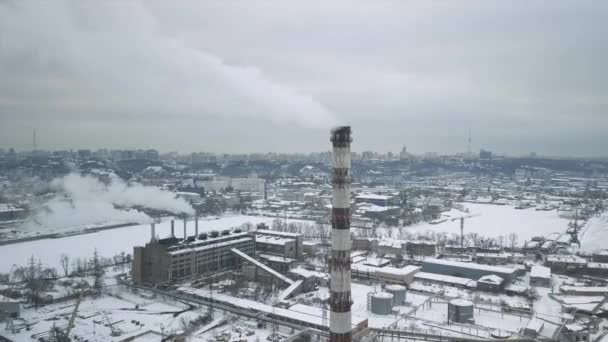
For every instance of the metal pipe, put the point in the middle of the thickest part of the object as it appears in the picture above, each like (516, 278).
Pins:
(152, 232)
(172, 228)
(340, 328)
(185, 233)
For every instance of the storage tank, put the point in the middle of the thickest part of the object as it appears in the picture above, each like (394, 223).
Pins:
(398, 292)
(460, 311)
(381, 303)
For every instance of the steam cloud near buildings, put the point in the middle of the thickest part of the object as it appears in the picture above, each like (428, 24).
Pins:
(85, 200)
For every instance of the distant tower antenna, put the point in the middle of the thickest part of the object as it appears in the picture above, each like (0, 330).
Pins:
(469, 151)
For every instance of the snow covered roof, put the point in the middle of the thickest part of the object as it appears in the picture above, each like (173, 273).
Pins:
(308, 273)
(445, 279)
(491, 279)
(373, 197)
(276, 258)
(574, 327)
(572, 259)
(274, 232)
(535, 325)
(538, 271)
(210, 246)
(487, 268)
(382, 295)
(272, 240)
(461, 302)
(388, 270)
(588, 289)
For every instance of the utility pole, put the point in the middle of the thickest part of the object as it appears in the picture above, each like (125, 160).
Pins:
(462, 233)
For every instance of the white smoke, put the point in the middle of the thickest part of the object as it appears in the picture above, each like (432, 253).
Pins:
(114, 57)
(84, 200)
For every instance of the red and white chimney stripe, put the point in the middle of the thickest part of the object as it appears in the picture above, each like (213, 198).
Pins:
(340, 298)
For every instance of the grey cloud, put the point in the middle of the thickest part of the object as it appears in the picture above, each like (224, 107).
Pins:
(523, 75)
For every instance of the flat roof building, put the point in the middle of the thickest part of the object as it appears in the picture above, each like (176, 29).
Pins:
(467, 269)
(288, 245)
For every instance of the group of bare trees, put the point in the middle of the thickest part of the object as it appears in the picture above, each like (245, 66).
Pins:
(87, 266)
(440, 238)
(36, 278)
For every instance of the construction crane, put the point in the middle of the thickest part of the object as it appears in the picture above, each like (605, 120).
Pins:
(68, 330)
(59, 335)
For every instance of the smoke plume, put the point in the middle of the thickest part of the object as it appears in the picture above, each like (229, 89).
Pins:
(84, 200)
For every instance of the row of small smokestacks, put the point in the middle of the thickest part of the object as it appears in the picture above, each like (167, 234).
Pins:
(185, 221)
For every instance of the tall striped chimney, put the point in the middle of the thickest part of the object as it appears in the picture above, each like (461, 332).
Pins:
(340, 298)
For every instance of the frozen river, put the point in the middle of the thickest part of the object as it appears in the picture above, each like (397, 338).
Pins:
(109, 242)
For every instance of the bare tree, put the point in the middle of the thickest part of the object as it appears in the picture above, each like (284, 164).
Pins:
(98, 272)
(64, 261)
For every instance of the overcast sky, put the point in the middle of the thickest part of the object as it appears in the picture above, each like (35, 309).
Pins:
(256, 76)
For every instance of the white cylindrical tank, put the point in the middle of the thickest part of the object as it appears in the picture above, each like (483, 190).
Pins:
(381, 303)
(460, 311)
(398, 292)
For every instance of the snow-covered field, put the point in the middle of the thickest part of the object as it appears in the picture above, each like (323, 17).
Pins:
(498, 220)
(595, 234)
(109, 242)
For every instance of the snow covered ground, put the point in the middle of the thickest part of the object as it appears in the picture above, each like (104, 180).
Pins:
(110, 242)
(595, 234)
(498, 220)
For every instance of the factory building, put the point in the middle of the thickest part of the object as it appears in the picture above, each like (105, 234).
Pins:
(379, 200)
(565, 263)
(387, 274)
(540, 276)
(467, 269)
(288, 245)
(492, 258)
(169, 259)
(414, 249)
(421, 249)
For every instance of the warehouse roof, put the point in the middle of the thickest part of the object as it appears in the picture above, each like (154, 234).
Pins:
(470, 265)
(538, 271)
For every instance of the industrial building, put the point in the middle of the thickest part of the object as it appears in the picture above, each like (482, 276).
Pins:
(467, 269)
(540, 276)
(565, 263)
(169, 259)
(288, 245)
(421, 248)
(379, 200)
(388, 274)
(490, 283)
